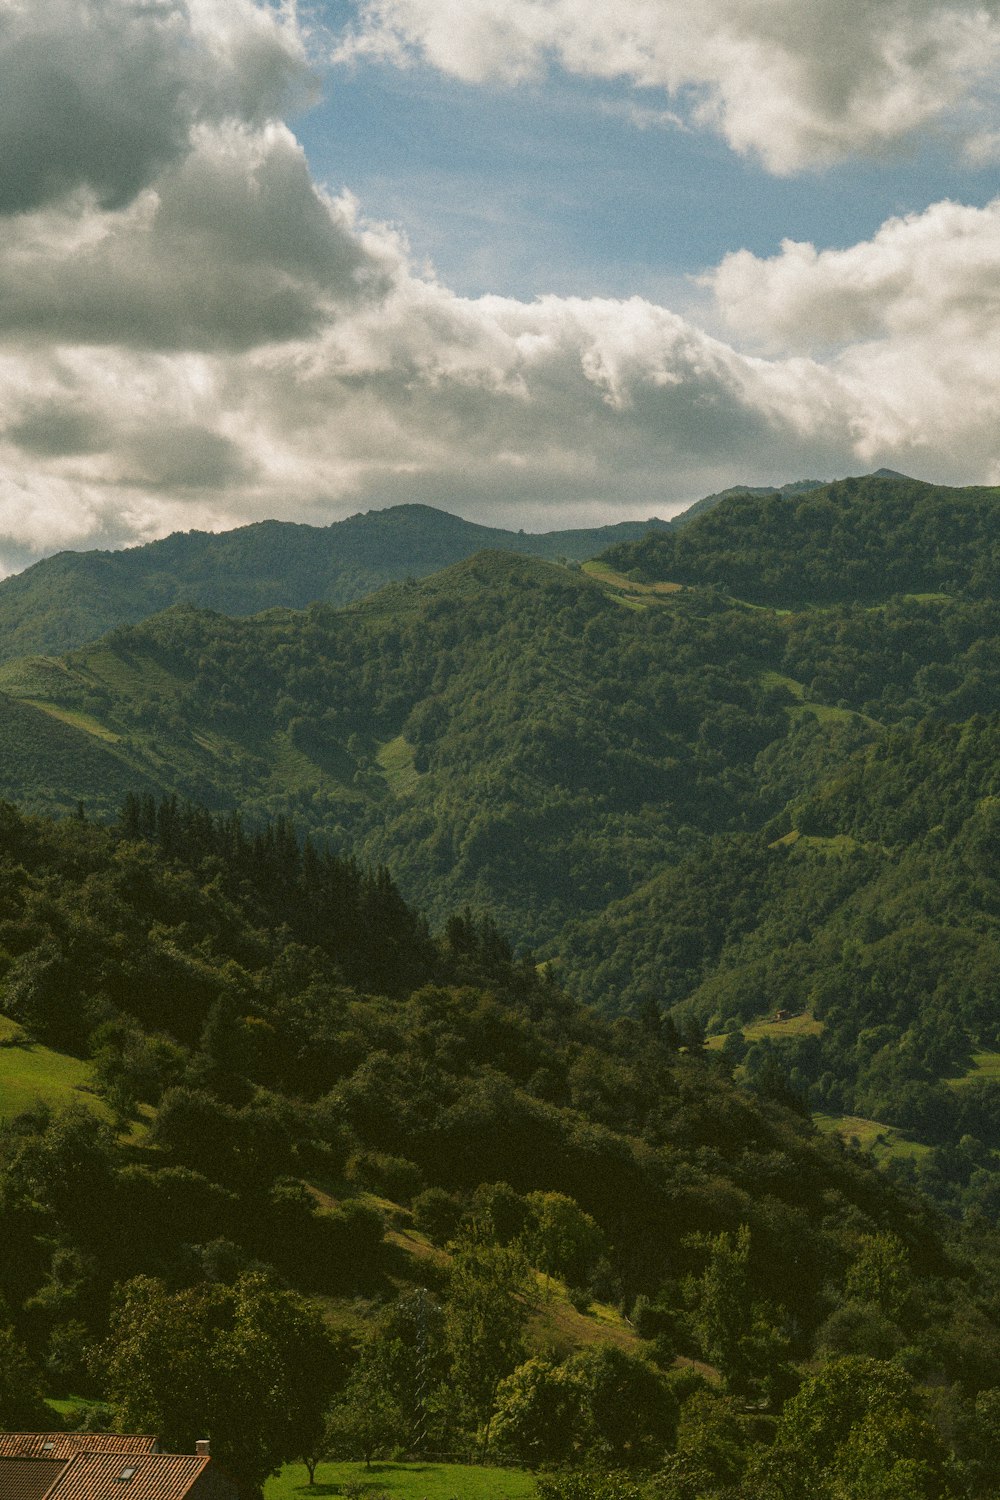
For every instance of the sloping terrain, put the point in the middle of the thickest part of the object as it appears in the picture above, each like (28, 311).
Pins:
(75, 597)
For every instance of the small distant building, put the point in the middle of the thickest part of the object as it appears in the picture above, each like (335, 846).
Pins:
(105, 1466)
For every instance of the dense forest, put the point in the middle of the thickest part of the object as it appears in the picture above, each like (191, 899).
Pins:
(492, 940)
(289, 1065)
(861, 539)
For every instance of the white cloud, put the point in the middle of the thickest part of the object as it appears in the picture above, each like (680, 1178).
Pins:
(205, 338)
(932, 275)
(102, 94)
(231, 246)
(799, 83)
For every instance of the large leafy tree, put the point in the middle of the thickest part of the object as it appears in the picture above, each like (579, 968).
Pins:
(855, 1431)
(487, 1308)
(250, 1366)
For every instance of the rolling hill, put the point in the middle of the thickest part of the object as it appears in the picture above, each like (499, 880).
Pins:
(676, 798)
(856, 539)
(75, 597)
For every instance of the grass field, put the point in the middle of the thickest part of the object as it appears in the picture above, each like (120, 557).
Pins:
(396, 760)
(985, 1068)
(414, 1481)
(31, 1074)
(840, 843)
(76, 718)
(636, 595)
(825, 713)
(754, 1031)
(884, 1141)
(555, 1325)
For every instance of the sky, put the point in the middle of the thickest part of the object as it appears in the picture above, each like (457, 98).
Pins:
(542, 263)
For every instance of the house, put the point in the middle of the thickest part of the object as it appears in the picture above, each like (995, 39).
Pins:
(105, 1466)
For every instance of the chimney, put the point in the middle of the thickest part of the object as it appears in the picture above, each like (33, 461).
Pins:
(201, 1447)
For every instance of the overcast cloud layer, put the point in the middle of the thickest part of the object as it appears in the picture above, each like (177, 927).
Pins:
(192, 333)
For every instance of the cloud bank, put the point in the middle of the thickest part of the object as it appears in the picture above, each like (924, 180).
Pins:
(797, 83)
(193, 333)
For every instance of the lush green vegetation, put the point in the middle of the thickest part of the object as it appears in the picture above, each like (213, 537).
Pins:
(311, 1051)
(76, 597)
(719, 810)
(863, 539)
(762, 813)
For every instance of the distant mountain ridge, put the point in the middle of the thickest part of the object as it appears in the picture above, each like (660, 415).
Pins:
(72, 598)
(798, 487)
(75, 597)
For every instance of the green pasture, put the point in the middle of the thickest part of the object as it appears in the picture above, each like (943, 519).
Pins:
(884, 1141)
(985, 1069)
(396, 761)
(825, 713)
(31, 1074)
(805, 1024)
(840, 843)
(402, 1481)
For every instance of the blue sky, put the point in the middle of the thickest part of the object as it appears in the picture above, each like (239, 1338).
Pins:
(540, 262)
(551, 187)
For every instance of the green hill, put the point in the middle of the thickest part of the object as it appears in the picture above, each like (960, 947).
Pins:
(315, 1059)
(675, 798)
(857, 539)
(768, 812)
(75, 597)
(504, 732)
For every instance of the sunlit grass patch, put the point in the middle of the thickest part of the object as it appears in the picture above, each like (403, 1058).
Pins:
(884, 1141)
(403, 1481)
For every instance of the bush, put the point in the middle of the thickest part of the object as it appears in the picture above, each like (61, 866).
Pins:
(436, 1213)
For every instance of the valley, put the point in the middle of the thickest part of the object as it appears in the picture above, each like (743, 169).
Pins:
(587, 929)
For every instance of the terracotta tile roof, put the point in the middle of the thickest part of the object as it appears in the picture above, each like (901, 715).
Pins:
(65, 1444)
(129, 1476)
(28, 1478)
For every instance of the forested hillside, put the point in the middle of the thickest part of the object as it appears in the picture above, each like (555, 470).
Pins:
(677, 798)
(758, 832)
(857, 539)
(288, 1057)
(75, 597)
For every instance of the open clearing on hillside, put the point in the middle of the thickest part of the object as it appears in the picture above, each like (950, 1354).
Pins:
(985, 1068)
(635, 592)
(75, 718)
(825, 713)
(754, 1031)
(395, 758)
(884, 1141)
(411, 1481)
(31, 1074)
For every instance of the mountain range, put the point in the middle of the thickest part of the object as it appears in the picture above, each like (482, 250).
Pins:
(330, 883)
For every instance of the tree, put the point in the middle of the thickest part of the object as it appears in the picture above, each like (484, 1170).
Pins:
(735, 1332)
(880, 1273)
(539, 1415)
(22, 1402)
(561, 1239)
(630, 1412)
(367, 1422)
(855, 1431)
(250, 1366)
(485, 1315)
(713, 1436)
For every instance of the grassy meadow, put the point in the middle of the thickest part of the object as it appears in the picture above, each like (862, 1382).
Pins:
(402, 1481)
